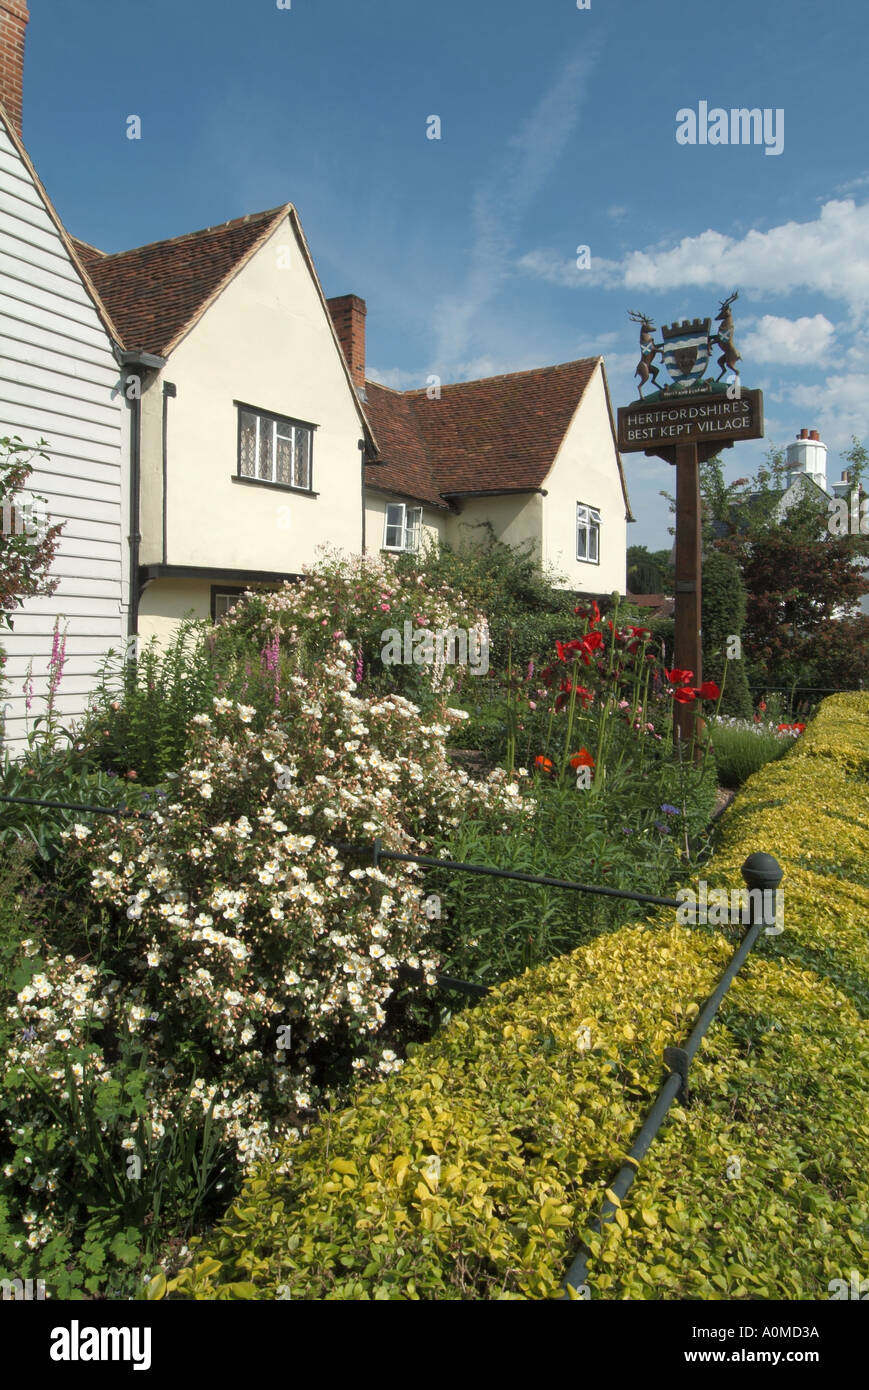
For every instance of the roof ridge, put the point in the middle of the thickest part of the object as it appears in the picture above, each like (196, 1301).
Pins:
(80, 241)
(267, 214)
(503, 376)
(369, 381)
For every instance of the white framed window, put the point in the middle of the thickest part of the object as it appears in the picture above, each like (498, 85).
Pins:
(402, 527)
(587, 533)
(272, 449)
(222, 601)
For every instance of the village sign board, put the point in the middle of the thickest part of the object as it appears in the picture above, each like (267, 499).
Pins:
(687, 422)
(689, 410)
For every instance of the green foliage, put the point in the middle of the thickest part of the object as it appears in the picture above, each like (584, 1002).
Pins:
(724, 602)
(648, 572)
(55, 772)
(494, 929)
(742, 749)
(27, 549)
(141, 709)
(524, 608)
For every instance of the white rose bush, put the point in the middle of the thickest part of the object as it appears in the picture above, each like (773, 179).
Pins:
(235, 969)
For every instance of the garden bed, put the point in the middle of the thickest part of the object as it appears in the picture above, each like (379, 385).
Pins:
(473, 1173)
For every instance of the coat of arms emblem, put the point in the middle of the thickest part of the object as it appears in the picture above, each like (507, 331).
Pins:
(687, 351)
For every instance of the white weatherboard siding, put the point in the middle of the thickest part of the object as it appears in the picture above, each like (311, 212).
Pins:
(57, 382)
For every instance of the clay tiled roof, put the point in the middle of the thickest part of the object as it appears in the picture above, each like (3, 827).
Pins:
(406, 466)
(154, 293)
(499, 434)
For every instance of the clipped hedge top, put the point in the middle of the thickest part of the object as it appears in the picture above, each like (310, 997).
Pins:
(473, 1172)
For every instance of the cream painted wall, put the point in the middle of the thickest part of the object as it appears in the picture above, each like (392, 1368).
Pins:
(166, 601)
(586, 470)
(514, 519)
(433, 523)
(266, 341)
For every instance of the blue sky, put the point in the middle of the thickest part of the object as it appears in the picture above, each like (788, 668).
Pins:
(558, 129)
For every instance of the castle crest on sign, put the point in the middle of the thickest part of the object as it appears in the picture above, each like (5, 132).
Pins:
(686, 350)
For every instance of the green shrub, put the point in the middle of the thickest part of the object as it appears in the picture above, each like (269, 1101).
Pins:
(724, 606)
(141, 709)
(632, 837)
(742, 748)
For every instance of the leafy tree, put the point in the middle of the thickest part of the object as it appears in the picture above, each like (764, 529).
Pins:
(26, 551)
(724, 608)
(645, 574)
(800, 580)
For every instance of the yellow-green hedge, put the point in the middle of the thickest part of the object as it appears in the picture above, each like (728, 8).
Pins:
(528, 1126)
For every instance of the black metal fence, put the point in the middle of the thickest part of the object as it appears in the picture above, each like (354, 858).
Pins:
(800, 699)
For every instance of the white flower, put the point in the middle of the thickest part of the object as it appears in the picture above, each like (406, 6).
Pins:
(206, 791)
(80, 832)
(153, 957)
(200, 719)
(246, 713)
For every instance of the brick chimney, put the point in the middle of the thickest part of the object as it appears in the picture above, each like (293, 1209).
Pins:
(14, 15)
(348, 315)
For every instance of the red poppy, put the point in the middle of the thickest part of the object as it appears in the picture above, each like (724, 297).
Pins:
(686, 696)
(592, 641)
(762, 705)
(544, 764)
(640, 632)
(564, 648)
(677, 677)
(708, 691)
(582, 759)
(562, 699)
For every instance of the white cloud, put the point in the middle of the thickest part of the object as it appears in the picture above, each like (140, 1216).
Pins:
(396, 377)
(559, 269)
(616, 212)
(502, 200)
(825, 255)
(840, 406)
(789, 342)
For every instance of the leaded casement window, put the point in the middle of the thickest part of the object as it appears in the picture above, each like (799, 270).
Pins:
(272, 449)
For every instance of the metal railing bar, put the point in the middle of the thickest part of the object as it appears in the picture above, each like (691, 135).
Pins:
(759, 871)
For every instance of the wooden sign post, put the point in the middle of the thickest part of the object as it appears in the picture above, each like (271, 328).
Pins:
(687, 423)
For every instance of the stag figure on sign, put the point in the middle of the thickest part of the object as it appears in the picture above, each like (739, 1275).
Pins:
(724, 338)
(649, 350)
